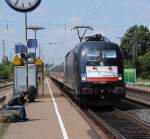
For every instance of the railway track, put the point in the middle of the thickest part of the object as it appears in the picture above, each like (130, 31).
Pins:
(4, 86)
(127, 122)
(122, 125)
(116, 124)
(4, 89)
(139, 97)
(138, 94)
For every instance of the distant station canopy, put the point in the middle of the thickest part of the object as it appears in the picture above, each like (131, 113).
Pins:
(96, 37)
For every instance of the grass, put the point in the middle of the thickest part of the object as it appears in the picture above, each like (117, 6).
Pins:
(143, 80)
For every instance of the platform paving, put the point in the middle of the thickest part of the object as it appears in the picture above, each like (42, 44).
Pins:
(44, 123)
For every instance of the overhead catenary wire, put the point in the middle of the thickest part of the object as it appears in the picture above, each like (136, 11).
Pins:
(94, 3)
(80, 7)
(98, 9)
(140, 11)
(87, 8)
(136, 17)
(148, 19)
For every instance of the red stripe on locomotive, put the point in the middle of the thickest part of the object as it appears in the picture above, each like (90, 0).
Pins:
(108, 79)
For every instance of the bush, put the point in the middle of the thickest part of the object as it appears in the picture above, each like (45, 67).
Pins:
(6, 71)
(144, 65)
(128, 64)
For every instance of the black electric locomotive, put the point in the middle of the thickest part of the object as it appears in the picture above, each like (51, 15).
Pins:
(93, 72)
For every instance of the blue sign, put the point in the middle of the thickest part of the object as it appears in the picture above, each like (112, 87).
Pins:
(32, 43)
(20, 48)
(31, 55)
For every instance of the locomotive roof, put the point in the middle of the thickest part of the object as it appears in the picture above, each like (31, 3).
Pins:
(101, 44)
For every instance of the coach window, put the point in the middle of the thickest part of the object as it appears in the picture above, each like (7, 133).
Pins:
(109, 54)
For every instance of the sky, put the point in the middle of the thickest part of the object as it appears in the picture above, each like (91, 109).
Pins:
(110, 18)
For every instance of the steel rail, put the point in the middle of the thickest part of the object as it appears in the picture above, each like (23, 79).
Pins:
(127, 125)
(111, 132)
(137, 121)
(140, 89)
(5, 86)
(138, 97)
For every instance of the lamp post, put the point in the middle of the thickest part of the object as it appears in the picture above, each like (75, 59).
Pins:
(35, 29)
(24, 6)
(26, 44)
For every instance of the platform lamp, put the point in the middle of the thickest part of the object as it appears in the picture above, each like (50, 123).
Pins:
(35, 29)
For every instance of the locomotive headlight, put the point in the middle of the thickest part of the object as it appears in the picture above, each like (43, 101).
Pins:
(83, 77)
(120, 78)
(83, 53)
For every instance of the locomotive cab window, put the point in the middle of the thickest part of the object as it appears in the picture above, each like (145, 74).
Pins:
(109, 54)
(93, 54)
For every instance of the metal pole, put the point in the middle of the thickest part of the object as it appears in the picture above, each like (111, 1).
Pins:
(134, 48)
(43, 79)
(3, 48)
(54, 54)
(26, 38)
(39, 51)
(133, 54)
(35, 39)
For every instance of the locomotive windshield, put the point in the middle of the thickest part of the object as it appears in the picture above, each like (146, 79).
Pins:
(93, 54)
(109, 54)
(96, 55)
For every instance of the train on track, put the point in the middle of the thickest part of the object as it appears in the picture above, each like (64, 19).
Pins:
(92, 72)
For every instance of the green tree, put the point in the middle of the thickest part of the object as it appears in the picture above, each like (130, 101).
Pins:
(144, 65)
(135, 42)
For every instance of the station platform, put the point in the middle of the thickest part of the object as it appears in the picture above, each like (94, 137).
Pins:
(51, 116)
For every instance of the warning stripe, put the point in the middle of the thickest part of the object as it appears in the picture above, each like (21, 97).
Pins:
(108, 79)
